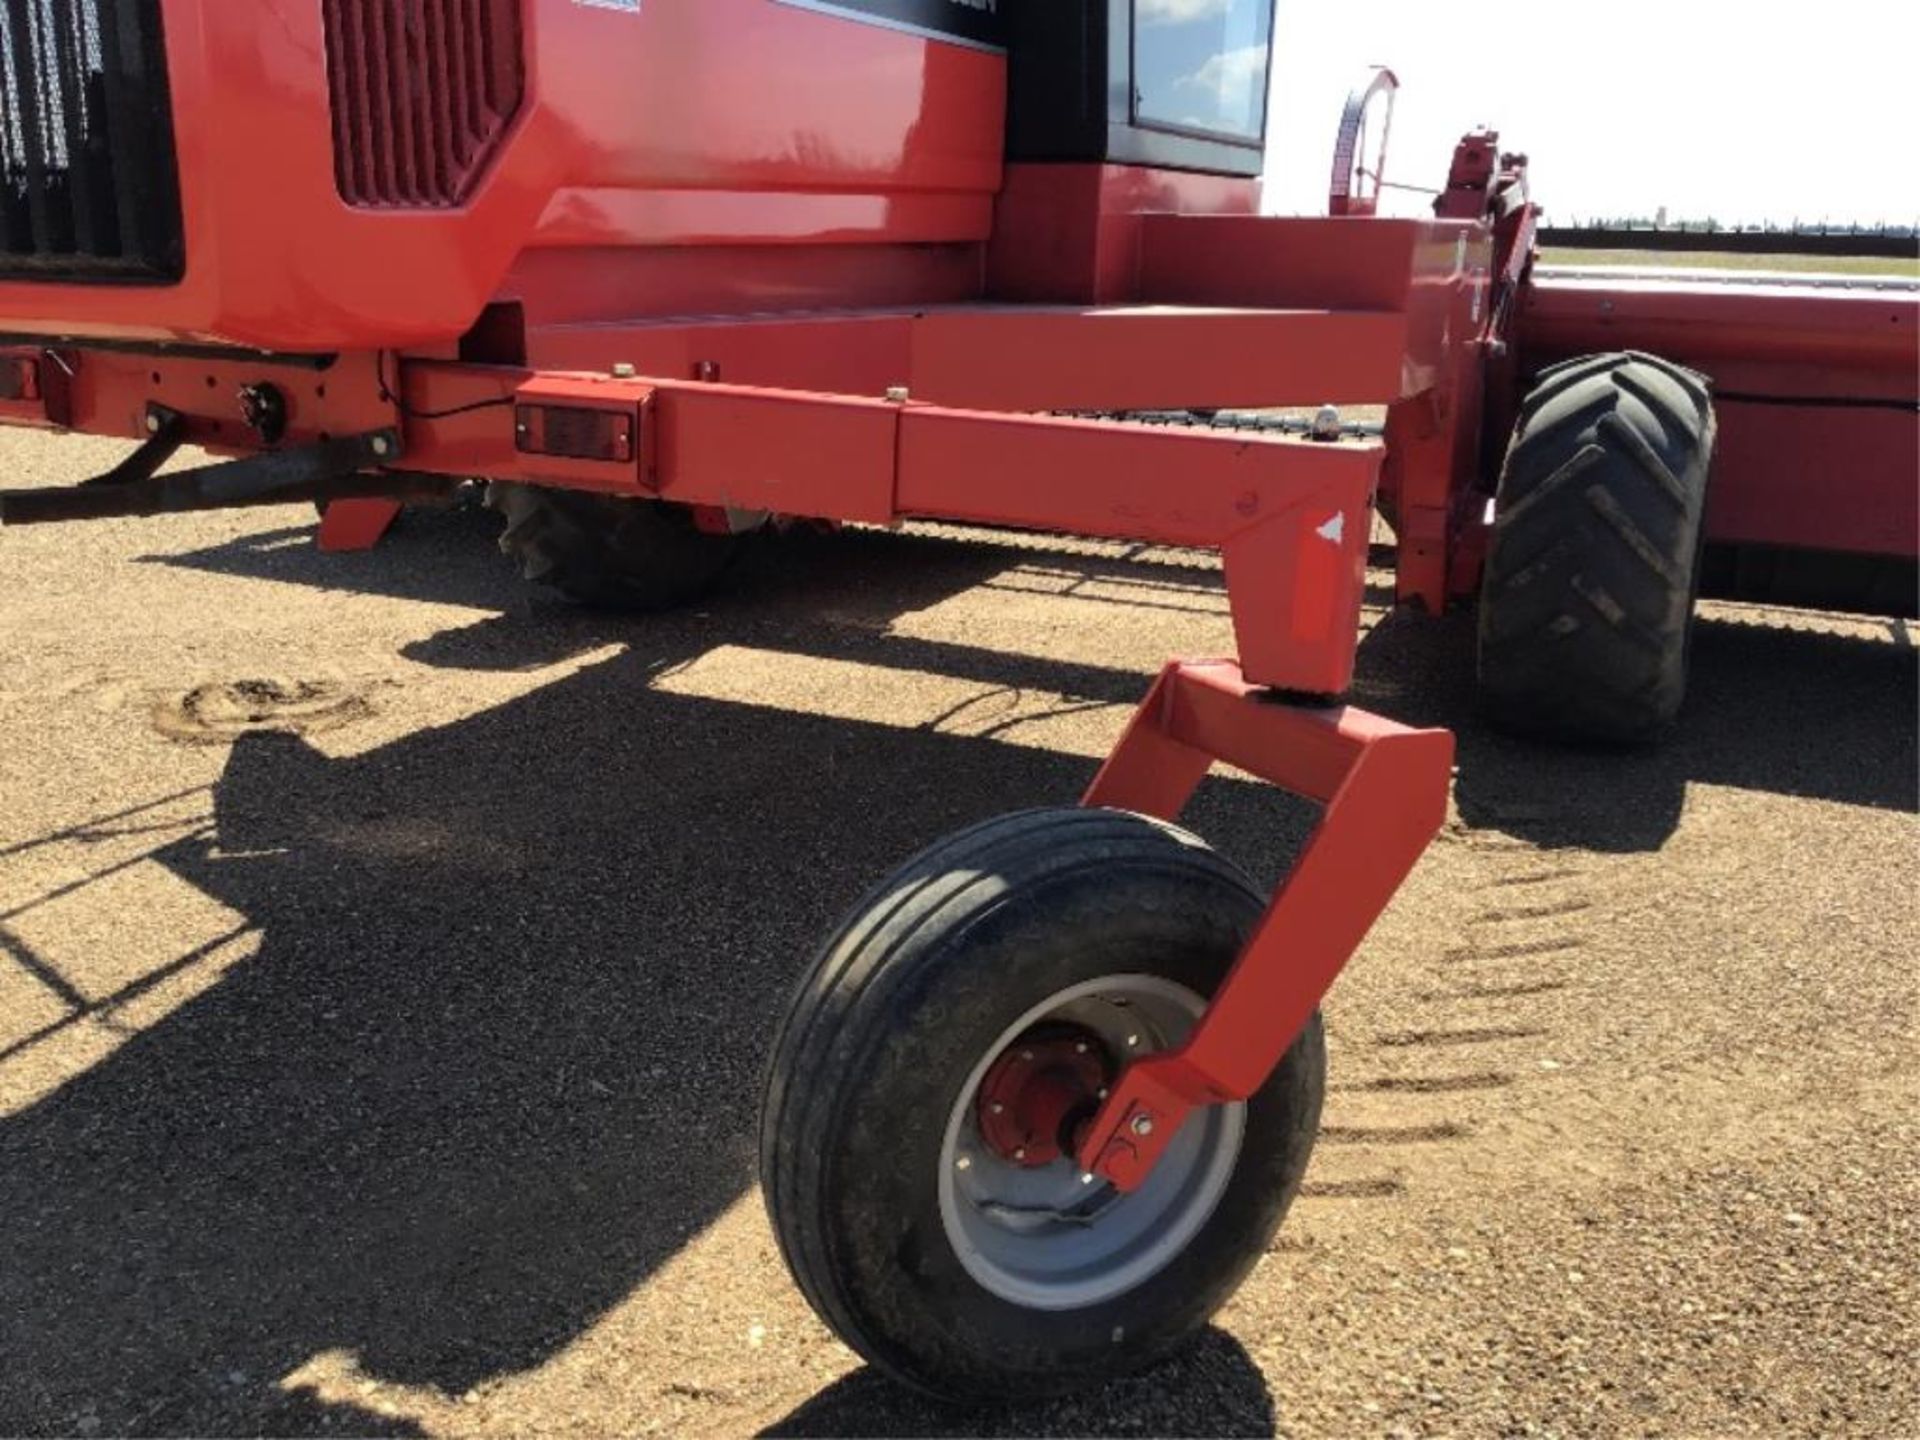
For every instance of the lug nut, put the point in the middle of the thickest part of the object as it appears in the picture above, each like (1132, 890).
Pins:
(965, 1162)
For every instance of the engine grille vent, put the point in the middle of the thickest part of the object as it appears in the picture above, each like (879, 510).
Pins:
(89, 188)
(423, 92)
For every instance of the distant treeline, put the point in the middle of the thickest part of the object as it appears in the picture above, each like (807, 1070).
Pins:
(1767, 238)
(1712, 226)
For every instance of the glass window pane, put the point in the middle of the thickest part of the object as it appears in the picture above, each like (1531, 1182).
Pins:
(1202, 65)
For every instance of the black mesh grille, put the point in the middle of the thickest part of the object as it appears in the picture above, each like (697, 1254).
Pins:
(88, 184)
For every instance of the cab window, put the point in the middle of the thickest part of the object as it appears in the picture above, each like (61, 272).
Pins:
(1201, 66)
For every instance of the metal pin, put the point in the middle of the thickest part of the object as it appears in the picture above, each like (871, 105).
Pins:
(1143, 1125)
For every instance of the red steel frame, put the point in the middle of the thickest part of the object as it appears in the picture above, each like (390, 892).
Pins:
(1385, 790)
(1289, 515)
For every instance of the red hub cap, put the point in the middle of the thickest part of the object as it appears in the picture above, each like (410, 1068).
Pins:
(1041, 1091)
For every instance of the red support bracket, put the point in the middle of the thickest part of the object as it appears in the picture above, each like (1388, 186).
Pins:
(349, 525)
(1384, 787)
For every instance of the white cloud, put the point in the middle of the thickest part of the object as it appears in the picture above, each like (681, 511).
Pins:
(1179, 12)
(1228, 75)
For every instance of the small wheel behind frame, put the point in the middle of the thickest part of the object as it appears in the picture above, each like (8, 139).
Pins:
(929, 1084)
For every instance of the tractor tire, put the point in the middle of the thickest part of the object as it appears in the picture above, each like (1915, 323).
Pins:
(947, 1253)
(609, 552)
(1586, 607)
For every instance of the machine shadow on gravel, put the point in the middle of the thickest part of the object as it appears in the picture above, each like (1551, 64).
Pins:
(1773, 705)
(1785, 709)
(498, 1056)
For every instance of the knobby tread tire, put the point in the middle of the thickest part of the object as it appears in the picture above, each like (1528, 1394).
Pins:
(609, 552)
(919, 964)
(1586, 606)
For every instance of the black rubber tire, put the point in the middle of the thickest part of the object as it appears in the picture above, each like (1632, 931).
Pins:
(1586, 607)
(923, 976)
(609, 552)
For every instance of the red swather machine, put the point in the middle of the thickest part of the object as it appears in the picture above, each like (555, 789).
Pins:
(666, 271)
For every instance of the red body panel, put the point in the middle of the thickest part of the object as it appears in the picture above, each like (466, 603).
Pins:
(674, 124)
(1072, 233)
(1020, 357)
(1840, 471)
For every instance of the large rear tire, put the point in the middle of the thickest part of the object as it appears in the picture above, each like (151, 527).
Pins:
(948, 1236)
(1586, 608)
(609, 552)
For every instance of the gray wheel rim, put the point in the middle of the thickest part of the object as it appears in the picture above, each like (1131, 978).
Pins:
(1007, 1224)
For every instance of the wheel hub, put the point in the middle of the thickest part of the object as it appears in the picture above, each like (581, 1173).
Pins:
(1022, 1218)
(1041, 1092)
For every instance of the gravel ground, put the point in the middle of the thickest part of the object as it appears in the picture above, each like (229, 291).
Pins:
(388, 955)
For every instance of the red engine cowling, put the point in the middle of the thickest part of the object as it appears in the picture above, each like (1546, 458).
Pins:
(361, 173)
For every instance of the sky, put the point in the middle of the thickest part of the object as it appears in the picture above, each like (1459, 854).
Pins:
(1742, 112)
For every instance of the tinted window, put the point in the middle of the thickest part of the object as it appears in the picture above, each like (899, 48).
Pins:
(1202, 65)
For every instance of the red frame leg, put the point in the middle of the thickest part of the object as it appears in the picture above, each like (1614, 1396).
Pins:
(356, 524)
(1385, 791)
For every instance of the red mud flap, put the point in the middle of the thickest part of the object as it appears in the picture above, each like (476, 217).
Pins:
(1385, 791)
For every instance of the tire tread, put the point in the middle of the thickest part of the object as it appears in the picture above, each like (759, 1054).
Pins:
(1586, 603)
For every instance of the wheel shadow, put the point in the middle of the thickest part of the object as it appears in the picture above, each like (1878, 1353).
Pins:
(1212, 1388)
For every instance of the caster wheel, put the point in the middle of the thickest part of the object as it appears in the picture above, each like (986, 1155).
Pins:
(930, 1083)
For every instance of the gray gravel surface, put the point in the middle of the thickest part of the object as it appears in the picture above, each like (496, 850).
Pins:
(388, 956)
